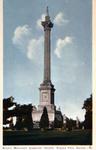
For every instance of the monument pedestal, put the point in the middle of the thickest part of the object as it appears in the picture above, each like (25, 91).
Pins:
(46, 100)
(36, 115)
(47, 94)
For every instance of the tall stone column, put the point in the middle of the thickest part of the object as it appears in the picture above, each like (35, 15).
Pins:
(47, 88)
(47, 25)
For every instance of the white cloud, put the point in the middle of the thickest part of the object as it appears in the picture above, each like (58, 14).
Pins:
(38, 23)
(23, 39)
(34, 48)
(21, 36)
(61, 43)
(59, 19)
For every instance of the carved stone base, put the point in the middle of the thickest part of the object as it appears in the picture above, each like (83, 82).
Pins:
(36, 114)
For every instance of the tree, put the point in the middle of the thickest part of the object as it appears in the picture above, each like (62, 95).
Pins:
(88, 115)
(58, 122)
(71, 124)
(24, 117)
(27, 117)
(18, 125)
(21, 112)
(8, 110)
(44, 121)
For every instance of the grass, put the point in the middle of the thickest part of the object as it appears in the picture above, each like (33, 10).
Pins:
(50, 137)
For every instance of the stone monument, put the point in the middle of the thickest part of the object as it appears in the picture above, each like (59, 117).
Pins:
(46, 87)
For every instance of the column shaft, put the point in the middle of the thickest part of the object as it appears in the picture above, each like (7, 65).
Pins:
(47, 56)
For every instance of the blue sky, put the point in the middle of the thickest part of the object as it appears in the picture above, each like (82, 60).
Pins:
(71, 52)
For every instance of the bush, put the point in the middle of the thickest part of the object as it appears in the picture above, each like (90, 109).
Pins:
(44, 121)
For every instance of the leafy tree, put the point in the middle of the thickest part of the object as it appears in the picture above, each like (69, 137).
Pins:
(71, 124)
(21, 112)
(24, 117)
(18, 125)
(27, 117)
(44, 121)
(7, 112)
(58, 122)
(88, 115)
(68, 124)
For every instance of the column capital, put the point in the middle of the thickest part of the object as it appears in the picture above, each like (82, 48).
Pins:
(47, 25)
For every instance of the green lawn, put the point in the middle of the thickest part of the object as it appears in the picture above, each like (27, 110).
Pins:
(50, 137)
